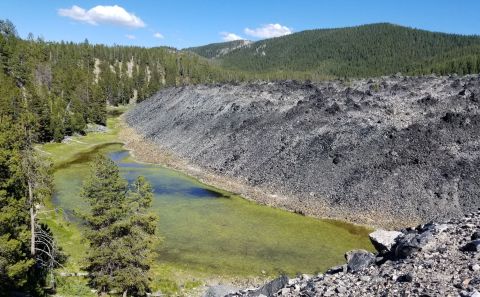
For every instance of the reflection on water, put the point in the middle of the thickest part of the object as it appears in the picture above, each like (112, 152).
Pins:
(174, 187)
(206, 230)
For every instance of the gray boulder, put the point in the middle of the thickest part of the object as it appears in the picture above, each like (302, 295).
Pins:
(271, 288)
(411, 243)
(405, 278)
(472, 246)
(219, 291)
(337, 269)
(384, 240)
(94, 128)
(358, 260)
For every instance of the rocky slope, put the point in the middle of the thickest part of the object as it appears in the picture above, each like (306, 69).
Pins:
(430, 260)
(217, 50)
(386, 151)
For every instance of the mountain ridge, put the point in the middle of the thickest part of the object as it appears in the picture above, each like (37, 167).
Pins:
(359, 51)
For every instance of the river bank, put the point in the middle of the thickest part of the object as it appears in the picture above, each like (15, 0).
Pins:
(434, 259)
(147, 151)
(215, 240)
(389, 151)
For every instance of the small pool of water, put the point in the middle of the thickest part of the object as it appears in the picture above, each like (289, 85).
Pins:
(204, 229)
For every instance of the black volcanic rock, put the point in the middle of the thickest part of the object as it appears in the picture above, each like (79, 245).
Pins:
(427, 272)
(408, 152)
(358, 260)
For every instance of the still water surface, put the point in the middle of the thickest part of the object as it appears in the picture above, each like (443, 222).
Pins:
(204, 229)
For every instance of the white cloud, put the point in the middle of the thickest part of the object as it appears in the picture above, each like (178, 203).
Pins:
(227, 36)
(158, 35)
(99, 14)
(130, 36)
(269, 31)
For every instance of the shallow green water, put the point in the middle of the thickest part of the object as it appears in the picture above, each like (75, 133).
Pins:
(207, 230)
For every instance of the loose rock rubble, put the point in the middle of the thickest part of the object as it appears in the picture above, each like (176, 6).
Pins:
(386, 151)
(94, 128)
(430, 260)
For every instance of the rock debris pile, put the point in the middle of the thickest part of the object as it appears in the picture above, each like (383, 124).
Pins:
(434, 259)
(386, 151)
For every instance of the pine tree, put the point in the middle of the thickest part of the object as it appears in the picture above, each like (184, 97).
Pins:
(140, 241)
(120, 230)
(24, 184)
(15, 260)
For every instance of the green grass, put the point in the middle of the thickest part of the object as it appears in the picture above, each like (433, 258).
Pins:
(204, 238)
(69, 235)
(61, 153)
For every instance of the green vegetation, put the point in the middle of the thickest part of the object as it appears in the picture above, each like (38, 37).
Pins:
(204, 237)
(50, 90)
(16, 260)
(27, 250)
(363, 51)
(65, 86)
(120, 230)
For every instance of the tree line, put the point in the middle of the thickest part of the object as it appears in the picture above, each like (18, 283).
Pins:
(66, 85)
(354, 52)
(50, 90)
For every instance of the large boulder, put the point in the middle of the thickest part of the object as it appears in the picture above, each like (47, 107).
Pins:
(271, 288)
(358, 260)
(411, 243)
(384, 240)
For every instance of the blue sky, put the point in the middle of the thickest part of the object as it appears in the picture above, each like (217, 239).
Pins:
(184, 23)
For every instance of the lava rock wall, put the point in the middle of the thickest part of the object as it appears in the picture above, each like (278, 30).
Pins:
(391, 148)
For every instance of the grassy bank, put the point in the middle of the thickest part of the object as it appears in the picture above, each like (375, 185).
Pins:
(168, 279)
(207, 241)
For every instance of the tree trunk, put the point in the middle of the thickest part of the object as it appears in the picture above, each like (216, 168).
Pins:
(32, 220)
(125, 293)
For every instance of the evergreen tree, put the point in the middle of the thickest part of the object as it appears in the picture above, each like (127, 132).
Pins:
(120, 230)
(15, 258)
(24, 185)
(139, 243)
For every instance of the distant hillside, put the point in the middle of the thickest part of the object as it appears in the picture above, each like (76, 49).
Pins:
(216, 50)
(368, 50)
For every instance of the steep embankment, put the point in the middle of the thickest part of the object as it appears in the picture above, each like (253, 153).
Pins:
(388, 151)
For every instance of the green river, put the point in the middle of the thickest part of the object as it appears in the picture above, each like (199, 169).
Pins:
(205, 230)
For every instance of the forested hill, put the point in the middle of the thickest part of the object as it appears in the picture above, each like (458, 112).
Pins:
(217, 50)
(49, 90)
(63, 86)
(368, 50)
